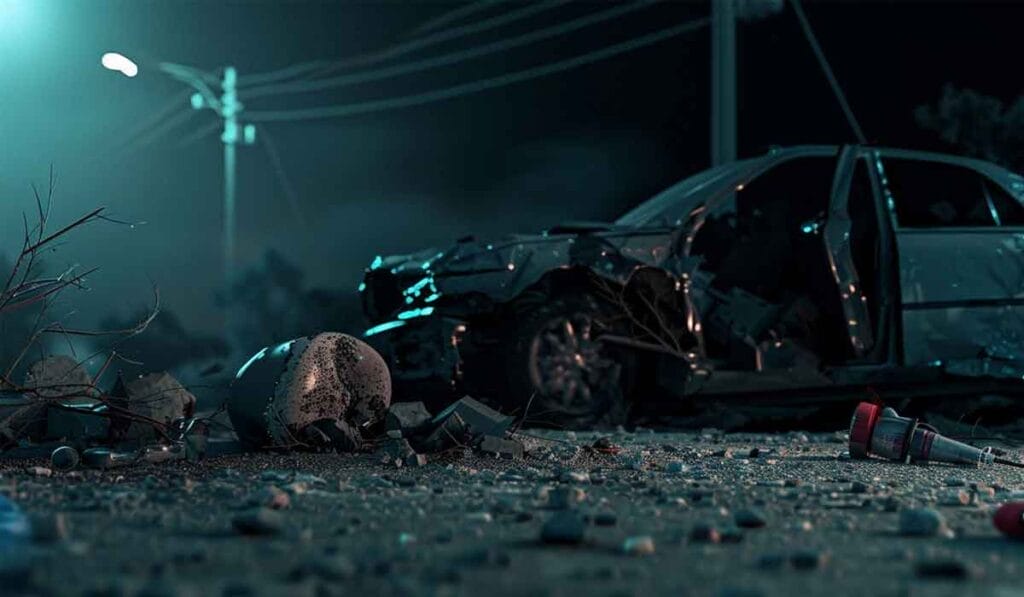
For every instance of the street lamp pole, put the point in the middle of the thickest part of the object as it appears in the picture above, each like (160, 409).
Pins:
(228, 108)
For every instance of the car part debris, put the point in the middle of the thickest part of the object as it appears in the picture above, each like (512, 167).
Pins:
(313, 392)
(477, 417)
(64, 458)
(407, 417)
(880, 431)
(1009, 519)
(105, 458)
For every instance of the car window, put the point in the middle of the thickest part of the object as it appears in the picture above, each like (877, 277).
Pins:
(1008, 208)
(676, 201)
(749, 238)
(938, 195)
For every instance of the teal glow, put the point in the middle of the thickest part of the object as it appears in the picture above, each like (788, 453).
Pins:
(413, 313)
(432, 297)
(362, 286)
(408, 300)
(282, 347)
(259, 355)
(810, 228)
(389, 325)
(377, 262)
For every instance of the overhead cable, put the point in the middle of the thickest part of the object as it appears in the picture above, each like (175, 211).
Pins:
(451, 58)
(823, 63)
(480, 85)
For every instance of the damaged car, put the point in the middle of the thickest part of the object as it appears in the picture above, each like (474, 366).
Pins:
(806, 271)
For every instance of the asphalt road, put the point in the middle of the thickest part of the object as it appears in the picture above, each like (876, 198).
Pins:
(671, 514)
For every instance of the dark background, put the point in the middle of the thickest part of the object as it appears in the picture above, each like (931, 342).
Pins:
(586, 144)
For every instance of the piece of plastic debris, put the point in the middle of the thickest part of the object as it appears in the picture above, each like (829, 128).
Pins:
(105, 458)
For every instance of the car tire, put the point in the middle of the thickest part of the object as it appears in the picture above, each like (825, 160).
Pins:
(560, 374)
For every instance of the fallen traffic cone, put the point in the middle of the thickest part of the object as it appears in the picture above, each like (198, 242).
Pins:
(878, 431)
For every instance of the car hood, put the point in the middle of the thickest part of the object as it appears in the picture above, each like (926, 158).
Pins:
(501, 269)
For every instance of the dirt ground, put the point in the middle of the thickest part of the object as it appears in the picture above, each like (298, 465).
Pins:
(671, 514)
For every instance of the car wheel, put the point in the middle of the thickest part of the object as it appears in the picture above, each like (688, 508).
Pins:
(558, 359)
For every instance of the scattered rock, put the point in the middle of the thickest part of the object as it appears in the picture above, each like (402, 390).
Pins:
(947, 569)
(259, 521)
(750, 518)
(407, 416)
(809, 559)
(638, 546)
(271, 497)
(705, 533)
(501, 447)
(922, 522)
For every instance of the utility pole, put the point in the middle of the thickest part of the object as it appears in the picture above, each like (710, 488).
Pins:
(228, 108)
(723, 81)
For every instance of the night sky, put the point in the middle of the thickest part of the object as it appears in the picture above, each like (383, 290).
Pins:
(586, 144)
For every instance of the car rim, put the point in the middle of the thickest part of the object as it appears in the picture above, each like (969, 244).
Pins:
(567, 365)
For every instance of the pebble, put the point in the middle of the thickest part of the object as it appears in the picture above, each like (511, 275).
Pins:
(676, 467)
(809, 559)
(750, 518)
(259, 521)
(922, 522)
(705, 533)
(638, 546)
(565, 527)
(955, 498)
(948, 569)
(40, 471)
(272, 497)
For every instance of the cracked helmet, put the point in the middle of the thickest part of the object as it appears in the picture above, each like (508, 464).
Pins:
(313, 392)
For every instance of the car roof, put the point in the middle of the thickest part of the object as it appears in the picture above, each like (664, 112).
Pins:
(682, 194)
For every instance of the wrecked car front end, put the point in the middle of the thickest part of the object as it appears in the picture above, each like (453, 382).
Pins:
(782, 274)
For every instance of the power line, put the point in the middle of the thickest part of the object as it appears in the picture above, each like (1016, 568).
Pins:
(199, 134)
(454, 15)
(419, 43)
(172, 104)
(282, 176)
(451, 58)
(481, 85)
(169, 124)
(823, 63)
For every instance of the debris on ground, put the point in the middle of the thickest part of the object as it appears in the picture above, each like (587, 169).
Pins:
(317, 392)
(412, 432)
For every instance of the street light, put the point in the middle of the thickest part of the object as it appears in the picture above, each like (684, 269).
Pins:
(228, 109)
(120, 63)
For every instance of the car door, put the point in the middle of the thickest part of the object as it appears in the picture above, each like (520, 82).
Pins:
(960, 244)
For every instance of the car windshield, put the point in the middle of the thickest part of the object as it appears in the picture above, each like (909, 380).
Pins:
(673, 203)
